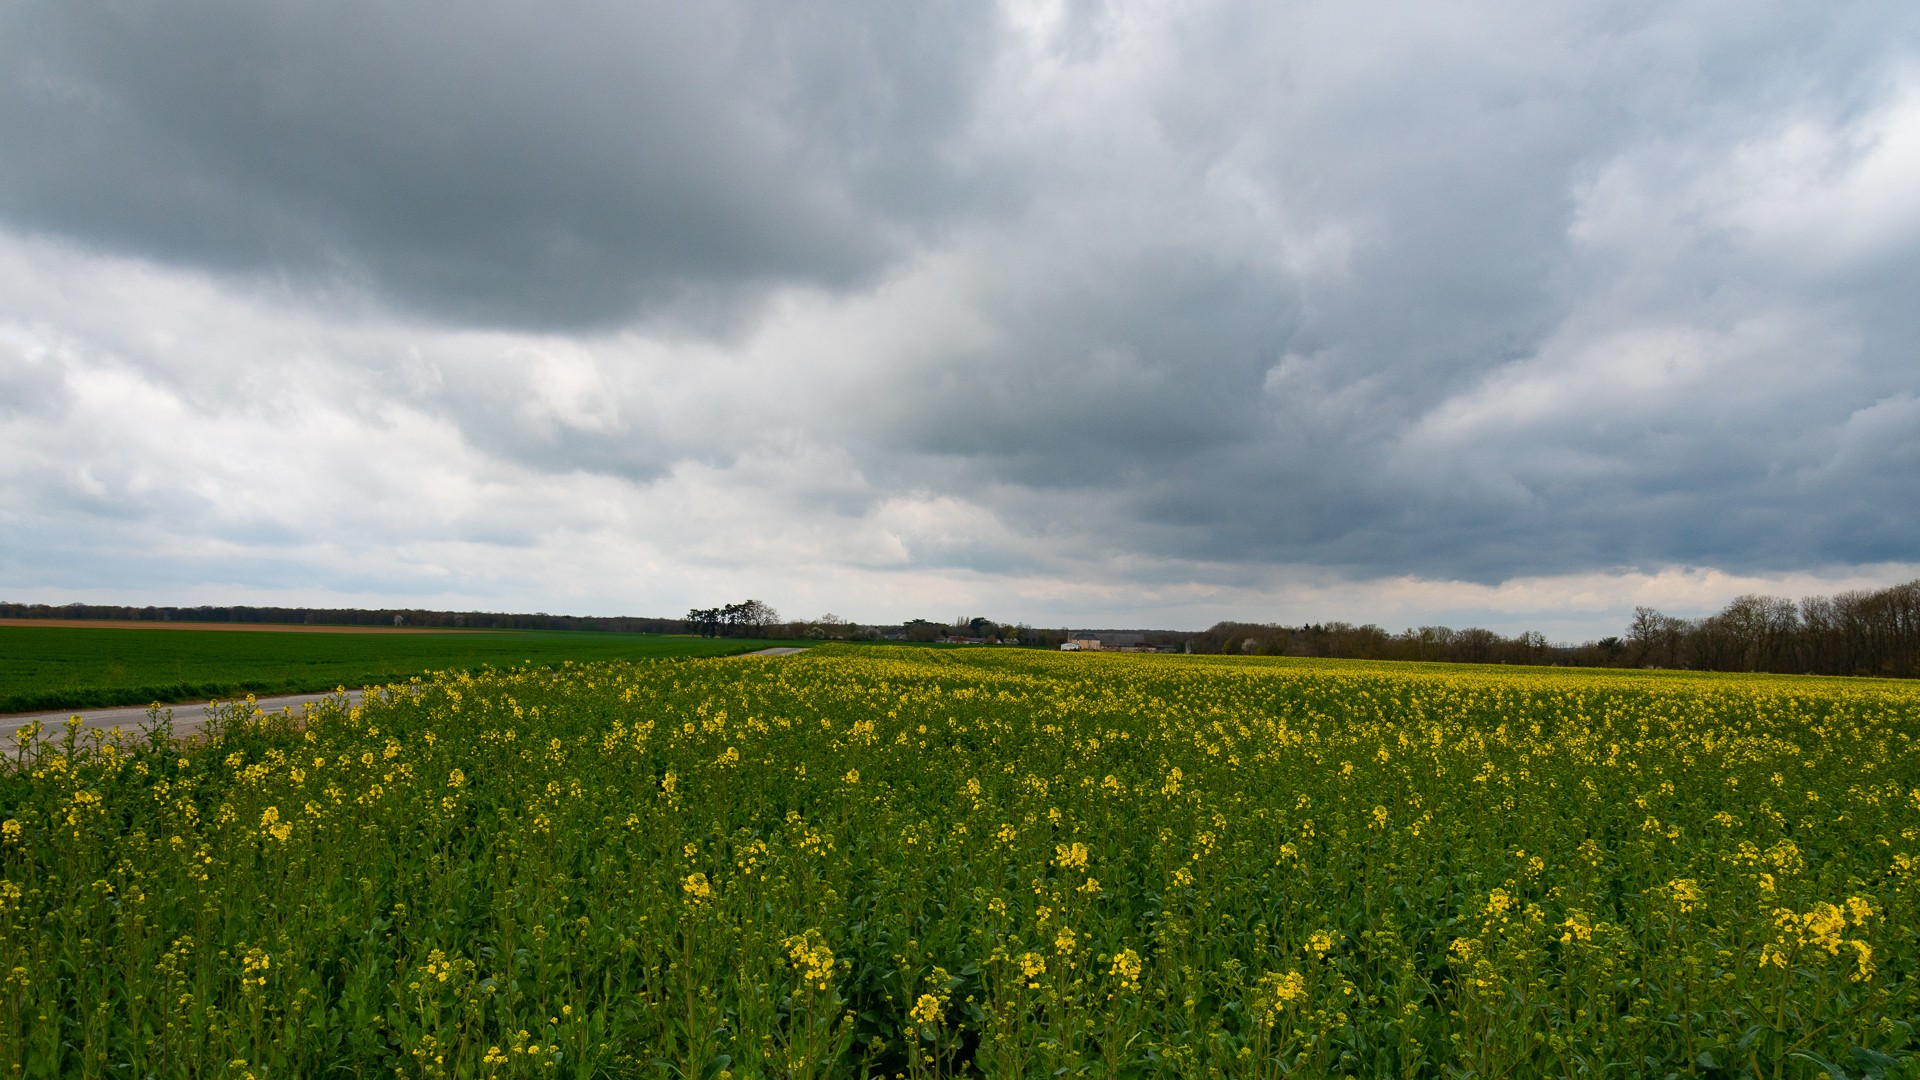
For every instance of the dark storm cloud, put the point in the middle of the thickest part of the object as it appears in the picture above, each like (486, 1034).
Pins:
(1150, 367)
(1090, 292)
(1481, 292)
(496, 163)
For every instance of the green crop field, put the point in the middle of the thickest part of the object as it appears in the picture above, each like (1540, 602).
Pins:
(56, 667)
(1002, 863)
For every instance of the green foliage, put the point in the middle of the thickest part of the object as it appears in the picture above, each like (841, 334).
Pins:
(987, 862)
(53, 667)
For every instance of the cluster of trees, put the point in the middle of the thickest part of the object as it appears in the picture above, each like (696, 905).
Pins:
(748, 618)
(1369, 642)
(832, 627)
(1863, 632)
(828, 627)
(978, 628)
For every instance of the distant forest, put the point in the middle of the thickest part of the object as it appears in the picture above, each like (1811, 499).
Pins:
(415, 617)
(1864, 632)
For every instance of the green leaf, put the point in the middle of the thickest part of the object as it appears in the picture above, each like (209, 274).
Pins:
(1834, 1071)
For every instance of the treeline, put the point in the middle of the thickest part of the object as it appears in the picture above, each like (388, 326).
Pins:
(417, 617)
(1369, 642)
(750, 618)
(1863, 632)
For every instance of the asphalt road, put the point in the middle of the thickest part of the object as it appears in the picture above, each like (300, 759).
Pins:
(190, 718)
(187, 719)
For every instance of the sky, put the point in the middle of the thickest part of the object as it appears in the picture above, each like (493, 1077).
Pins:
(1074, 313)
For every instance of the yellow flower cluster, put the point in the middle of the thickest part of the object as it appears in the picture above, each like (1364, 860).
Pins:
(696, 888)
(927, 1010)
(1275, 993)
(253, 969)
(1821, 933)
(810, 956)
(1032, 966)
(1126, 969)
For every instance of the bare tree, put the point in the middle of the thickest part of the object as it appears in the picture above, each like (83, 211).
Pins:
(756, 618)
(1654, 639)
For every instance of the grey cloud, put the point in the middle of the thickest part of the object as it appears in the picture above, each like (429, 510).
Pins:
(1152, 363)
(1455, 291)
(30, 384)
(1218, 406)
(505, 163)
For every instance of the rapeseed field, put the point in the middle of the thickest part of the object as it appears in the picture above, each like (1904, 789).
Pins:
(997, 863)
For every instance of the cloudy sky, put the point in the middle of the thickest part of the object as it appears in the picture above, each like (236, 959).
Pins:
(1498, 313)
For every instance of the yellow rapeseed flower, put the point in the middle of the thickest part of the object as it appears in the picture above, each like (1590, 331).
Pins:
(696, 888)
(927, 1010)
(1126, 968)
(1032, 966)
(1274, 993)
